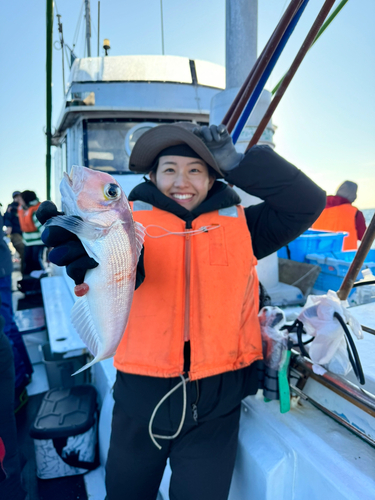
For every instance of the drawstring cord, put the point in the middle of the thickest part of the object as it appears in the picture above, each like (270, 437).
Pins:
(152, 435)
(203, 229)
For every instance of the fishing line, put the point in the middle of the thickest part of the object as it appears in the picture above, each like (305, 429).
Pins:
(203, 229)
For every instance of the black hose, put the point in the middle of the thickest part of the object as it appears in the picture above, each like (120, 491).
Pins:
(297, 326)
(363, 283)
(356, 362)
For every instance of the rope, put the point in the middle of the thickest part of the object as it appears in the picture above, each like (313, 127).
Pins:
(159, 436)
(78, 27)
(304, 276)
(203, 229)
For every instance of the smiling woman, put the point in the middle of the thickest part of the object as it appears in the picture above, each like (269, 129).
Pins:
(186, 180)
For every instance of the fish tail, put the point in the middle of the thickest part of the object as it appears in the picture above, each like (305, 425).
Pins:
(87, 365)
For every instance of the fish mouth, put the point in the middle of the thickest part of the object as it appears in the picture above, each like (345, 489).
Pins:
(69, 178)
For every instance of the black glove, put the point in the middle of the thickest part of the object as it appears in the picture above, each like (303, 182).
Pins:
(67, 248)
(220, 144)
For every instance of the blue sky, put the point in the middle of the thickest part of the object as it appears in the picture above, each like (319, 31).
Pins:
(325, 122)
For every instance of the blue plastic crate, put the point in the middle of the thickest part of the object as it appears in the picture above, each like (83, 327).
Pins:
(333, 270)
(312, 241)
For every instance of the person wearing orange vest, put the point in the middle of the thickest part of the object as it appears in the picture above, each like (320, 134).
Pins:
(31, 232)
(193, 336)
(340, 215)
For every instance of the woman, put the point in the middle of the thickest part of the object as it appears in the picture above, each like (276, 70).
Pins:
(193, 336)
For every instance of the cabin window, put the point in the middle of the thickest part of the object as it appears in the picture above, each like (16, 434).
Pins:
(104, 145)
(108, 143)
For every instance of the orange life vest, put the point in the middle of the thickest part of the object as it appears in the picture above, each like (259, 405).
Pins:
(26, 218)
(339, 218)
(202, 287)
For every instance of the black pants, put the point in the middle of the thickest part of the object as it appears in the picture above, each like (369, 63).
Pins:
(202, 459)
(33, 258)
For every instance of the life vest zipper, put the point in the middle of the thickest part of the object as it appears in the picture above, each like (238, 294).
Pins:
(187, 282)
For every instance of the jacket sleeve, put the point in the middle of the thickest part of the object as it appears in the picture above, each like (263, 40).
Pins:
(291, 200)
(360, 224)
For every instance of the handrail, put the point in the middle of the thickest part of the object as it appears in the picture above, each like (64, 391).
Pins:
(342, 387)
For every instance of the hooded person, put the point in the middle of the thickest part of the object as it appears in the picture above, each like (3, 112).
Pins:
(190, 351)
(13, 230)
(340, 215)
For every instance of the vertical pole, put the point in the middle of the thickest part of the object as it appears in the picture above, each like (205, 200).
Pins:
(356, 265)
(162, 27)
(241, 26)
(98, 25)
(88, 27)
(49, 28)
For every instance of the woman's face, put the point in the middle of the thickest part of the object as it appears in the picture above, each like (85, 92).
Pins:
(185, 180)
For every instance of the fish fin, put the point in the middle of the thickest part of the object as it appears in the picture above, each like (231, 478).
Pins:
(91, 363)
(82, 321)
(139, 236)
(82, 229)
(87, 365)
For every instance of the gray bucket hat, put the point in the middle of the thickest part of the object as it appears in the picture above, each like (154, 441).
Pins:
(152, 142)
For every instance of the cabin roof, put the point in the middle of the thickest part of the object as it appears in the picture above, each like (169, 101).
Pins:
(147, 69)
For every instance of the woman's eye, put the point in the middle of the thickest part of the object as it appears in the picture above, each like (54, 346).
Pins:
(112, 191)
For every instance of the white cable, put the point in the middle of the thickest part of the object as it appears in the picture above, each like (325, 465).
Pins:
(153, 436)
(203, 229)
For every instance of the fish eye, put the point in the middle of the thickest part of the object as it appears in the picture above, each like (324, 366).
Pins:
(112, 191)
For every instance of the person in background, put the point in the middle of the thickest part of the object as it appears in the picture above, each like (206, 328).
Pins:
(22, 363)
(17, 198)
(340, 215)
(13, 230)
(31, 232)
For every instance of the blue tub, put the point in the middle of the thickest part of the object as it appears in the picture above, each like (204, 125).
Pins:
(334, 269)
(313, 242)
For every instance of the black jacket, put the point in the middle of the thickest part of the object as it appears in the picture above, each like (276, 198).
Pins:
(292, 202)
(11, 220)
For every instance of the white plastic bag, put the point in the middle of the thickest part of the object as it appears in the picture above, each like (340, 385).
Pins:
(274, 340)
(329, 345)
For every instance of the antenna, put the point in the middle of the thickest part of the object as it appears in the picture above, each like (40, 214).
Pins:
(98, 24)
(88, 27)
(162, 27)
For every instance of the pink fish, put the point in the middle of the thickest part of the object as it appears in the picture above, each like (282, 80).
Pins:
(110, 236)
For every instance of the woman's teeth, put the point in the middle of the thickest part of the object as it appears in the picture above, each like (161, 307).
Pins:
(182, 196)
